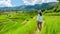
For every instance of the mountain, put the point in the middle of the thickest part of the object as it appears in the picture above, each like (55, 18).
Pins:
(30, 7)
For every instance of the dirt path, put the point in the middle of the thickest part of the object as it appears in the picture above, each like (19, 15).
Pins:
(26, 21)
(36, 32)
(34, 18)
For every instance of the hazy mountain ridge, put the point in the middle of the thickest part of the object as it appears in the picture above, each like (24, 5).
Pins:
(30, 7)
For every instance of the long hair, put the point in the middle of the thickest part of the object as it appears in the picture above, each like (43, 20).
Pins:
(40, 13)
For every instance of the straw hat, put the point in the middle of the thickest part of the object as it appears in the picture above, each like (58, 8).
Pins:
(39, 11)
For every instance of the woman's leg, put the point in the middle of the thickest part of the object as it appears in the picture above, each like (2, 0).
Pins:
(40, 26)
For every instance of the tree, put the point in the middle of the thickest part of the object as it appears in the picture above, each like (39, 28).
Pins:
(59, 1)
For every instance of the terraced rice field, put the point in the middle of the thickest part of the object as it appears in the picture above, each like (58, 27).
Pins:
(13, 23)
(52, 25)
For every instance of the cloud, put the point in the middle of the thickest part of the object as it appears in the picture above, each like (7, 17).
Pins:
(5, 3)
(45, 1)
(33, 2)
(29, 2)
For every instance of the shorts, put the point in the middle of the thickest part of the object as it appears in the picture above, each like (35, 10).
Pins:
(39, 22)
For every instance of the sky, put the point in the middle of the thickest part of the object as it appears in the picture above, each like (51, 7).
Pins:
(12, 3)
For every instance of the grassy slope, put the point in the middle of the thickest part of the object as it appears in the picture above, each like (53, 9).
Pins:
(11, 27)
(52, 25)
(7, 24)
(29, 28)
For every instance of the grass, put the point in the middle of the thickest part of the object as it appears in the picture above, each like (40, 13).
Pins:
(29, 28)
(52, 14)
(12, 23)
(52, 25)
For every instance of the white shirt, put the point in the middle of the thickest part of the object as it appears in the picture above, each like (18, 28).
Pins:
(39, 18)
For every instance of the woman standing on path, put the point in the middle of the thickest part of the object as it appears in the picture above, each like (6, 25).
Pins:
(39, 19)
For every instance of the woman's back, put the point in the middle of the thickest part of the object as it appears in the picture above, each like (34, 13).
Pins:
(39, 18)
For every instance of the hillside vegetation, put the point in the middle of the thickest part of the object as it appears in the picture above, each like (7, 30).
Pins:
(12, 23)
(52, 20)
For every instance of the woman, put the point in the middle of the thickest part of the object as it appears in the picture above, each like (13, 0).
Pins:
(39, 20)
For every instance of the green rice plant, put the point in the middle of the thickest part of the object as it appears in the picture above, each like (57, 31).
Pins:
(28, 28)
(52, 25)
